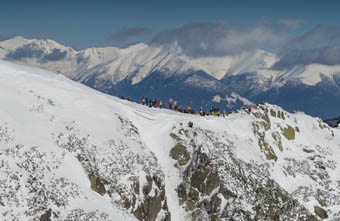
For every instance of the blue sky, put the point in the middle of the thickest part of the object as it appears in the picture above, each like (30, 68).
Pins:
(82, 24)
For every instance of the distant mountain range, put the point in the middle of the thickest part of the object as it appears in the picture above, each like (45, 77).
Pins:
(166, 73)
(334, 122)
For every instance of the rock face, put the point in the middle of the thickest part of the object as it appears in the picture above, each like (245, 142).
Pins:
(69, 153)
(46, 216)
(216, 185)
(320, 212)
(143, 199)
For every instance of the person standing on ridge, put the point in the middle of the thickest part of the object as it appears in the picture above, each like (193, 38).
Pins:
(150, 102)
(190, 124)
(188, 109)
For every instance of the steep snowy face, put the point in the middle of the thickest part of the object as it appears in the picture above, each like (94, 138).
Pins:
(68, 152)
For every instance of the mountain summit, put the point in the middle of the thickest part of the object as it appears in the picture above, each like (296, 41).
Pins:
(72, 153)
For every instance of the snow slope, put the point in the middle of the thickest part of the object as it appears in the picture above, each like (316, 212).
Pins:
(90, 156)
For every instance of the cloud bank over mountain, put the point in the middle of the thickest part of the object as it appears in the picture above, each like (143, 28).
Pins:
(320, 45)
(32, 51)
(223, 38)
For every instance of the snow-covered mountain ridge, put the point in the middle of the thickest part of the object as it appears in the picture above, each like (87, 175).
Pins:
(135, 62)
(71, 153)
(165, 71)
(138, 61)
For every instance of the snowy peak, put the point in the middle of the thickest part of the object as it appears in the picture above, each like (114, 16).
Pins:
(18, 42)
(13, 43)
(136, 61)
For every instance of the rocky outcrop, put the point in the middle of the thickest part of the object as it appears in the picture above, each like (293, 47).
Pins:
(97, 184)
(142, 196)
(152, 205)
(216, 185)
(289, 133)
(46, 216)
(320, 212)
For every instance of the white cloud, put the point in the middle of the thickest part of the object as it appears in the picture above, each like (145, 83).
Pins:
(222, 38)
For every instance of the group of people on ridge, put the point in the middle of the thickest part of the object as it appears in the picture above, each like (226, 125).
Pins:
(156, 103)
(150, 102)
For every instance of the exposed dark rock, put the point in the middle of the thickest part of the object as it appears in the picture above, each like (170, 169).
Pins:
(277, 138)
(213, 181)
(273, 113)
(147, 188)
(46, 216)
(174, 136)
(136, 187)
(307, 150)
(289, 133)
(227, 194)
(182, 192)
(215, 204)
(264, 146)
(197, 180)
(180, 153)
(320, 212)
(97, 184)
(193, 194)
(149, 209)
(157, 181)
